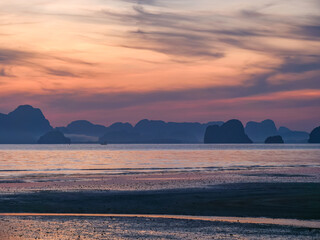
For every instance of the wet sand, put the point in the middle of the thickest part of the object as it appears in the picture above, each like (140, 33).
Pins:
(274, 200)
(273, 193)
(157, 180)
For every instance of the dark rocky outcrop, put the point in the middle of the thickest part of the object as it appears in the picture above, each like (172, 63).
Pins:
(274, 139)
(315, 136)
(259, 131)
(54, 137)
(230, 132)
(24, 125)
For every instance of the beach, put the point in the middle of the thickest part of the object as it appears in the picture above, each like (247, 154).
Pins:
(150, 119)
(158, 196)
(168, 193)
(278, 200)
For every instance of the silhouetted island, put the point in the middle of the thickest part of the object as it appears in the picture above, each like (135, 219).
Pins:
(230, 132)
(259, 131)
(54, 137)
(23, 125)
(315, 136)
(274, 139)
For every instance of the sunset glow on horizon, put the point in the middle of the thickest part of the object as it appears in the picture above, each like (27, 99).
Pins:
(174, 60)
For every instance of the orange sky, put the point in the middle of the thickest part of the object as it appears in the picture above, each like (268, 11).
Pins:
(177, 60)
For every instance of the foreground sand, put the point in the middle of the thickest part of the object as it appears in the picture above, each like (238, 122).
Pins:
(292, 193)
(42, 227)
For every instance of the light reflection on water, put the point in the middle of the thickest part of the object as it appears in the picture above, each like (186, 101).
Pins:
(18, 160)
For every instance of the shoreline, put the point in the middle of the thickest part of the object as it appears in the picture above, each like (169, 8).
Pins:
(156, 180)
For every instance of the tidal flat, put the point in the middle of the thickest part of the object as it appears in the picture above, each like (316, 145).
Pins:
(197, 194)
(273, 200)
(175, 200)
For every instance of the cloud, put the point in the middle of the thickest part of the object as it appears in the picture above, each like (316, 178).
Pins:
(59, 72)
(4, 73)
(11, 56)
(257, 86)
(145, 2)
(40, 61)
(206, 34)
(174, 44)
(155, 26)
(311, 31)
(174, 34)
(72, 60)
(300, 65)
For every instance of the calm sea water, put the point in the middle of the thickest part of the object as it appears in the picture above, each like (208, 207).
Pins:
(17, 160)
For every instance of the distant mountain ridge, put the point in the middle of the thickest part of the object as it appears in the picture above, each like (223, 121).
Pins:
(145, 131)
(83, 127)
(26, 124)
(290, 136)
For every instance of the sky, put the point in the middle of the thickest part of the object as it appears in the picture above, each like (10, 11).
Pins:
(174, 60)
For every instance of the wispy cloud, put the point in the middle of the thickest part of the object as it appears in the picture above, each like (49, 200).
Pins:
(204, 34)
(5, 73)
(60, 72)
(11, 56)
(119, 55)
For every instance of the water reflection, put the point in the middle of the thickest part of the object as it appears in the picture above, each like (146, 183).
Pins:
(18, 160)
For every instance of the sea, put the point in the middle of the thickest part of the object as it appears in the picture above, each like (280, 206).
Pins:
(22, 160)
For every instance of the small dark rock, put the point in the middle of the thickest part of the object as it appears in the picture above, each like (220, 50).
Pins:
(274, 139)
(315, 136)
